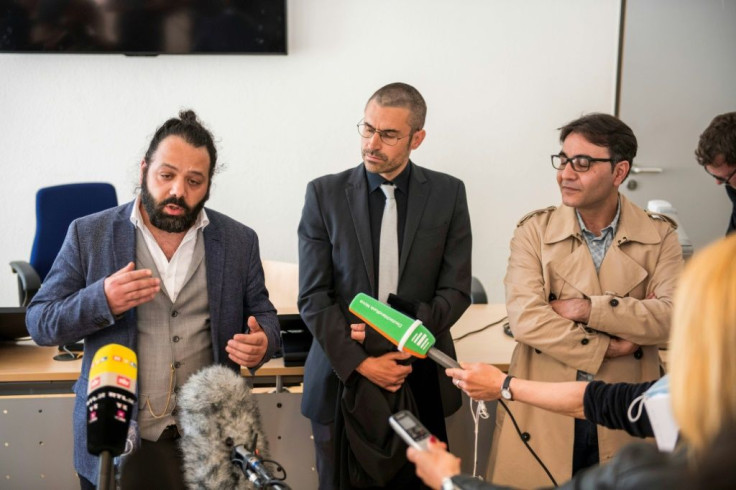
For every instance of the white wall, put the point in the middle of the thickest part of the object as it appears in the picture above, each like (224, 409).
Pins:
(498, 75)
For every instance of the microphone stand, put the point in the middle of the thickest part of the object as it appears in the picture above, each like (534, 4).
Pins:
(105, 479)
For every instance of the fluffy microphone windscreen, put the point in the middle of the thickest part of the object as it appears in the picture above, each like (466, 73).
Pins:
(217, 411)
(110, 398)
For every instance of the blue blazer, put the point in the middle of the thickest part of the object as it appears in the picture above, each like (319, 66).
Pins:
(71, 303)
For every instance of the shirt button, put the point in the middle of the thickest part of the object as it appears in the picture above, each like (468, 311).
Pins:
(639, 353)
(176, 338)
(584, 341)
(174, 313)
(177, 365)
(613, 302)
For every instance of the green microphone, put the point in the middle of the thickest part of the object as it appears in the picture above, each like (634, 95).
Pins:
(407, 334)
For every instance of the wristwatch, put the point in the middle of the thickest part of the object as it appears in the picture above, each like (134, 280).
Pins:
(447, 484)
(506, 388)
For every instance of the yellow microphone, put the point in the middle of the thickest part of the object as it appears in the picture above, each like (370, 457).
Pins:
(111, 394)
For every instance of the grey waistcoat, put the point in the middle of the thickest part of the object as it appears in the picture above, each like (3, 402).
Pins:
(174, 340)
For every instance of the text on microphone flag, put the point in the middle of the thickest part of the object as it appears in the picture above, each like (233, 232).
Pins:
(407, 334)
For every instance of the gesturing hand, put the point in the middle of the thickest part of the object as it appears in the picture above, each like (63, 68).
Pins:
(128, 288)
(248, 349)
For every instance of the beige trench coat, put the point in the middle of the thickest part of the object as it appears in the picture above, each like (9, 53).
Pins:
(550, 256)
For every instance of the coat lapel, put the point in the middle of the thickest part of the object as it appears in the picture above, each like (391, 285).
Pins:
(575, 268)
(123, 237)
(356, 193)
(621, 273)
(418, 194)
(214, 257)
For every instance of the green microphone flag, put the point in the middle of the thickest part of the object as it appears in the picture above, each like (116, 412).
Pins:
(407, 334)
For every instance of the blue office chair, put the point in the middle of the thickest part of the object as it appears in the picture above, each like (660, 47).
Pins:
(56, 208)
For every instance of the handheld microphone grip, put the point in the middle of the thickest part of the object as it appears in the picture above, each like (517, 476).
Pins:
(442, 359)
(407, 334)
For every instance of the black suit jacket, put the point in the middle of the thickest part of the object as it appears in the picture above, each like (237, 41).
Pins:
(336, 263)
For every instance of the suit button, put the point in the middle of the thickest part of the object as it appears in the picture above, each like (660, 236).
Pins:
(537, 351)
(177, 365)
(613, 302)
(639, 353)
(176, 338)
(174, 313)
(584, 341)
(552, 296)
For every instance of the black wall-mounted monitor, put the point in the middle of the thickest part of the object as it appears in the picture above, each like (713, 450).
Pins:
(143, 27)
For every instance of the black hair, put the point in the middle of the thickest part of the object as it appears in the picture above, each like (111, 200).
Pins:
(403, 95)
(719, 138)
(191, 130)
(607, 131)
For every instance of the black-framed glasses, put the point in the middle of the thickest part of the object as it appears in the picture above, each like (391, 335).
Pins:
(580, 163)
(388, 136)
(721, 180)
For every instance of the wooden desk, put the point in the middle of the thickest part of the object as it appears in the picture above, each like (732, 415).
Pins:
(489, 345)
(24, 361)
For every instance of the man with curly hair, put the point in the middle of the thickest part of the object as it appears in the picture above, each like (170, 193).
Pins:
(716, 152)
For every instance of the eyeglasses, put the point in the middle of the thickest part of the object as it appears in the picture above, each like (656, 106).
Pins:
(721, 180)
(388, 136)
(580, 163)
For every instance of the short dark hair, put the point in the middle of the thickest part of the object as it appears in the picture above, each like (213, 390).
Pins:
(607, 131)
(719, 138)
(191, 130)
(403, 95)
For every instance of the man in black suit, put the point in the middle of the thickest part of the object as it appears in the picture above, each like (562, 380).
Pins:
(340, 255)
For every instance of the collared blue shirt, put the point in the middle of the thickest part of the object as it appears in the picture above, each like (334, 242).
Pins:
(598, 245)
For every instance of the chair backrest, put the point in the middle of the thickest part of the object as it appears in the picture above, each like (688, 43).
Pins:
(56, 208)
(477, 292)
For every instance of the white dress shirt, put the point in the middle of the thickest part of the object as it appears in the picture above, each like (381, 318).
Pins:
(173, 272)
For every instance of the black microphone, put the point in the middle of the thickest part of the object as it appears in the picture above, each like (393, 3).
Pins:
(110, 399)
(254, 468)
(219, 419)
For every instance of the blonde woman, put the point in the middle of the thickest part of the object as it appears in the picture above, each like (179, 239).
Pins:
(702, 386)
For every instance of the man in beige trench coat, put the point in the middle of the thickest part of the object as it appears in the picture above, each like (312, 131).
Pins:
(589, 287)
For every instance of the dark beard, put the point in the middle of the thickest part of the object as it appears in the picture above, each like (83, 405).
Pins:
(163, 221)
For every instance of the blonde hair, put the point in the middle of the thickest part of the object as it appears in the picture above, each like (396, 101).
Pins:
(702, 355)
